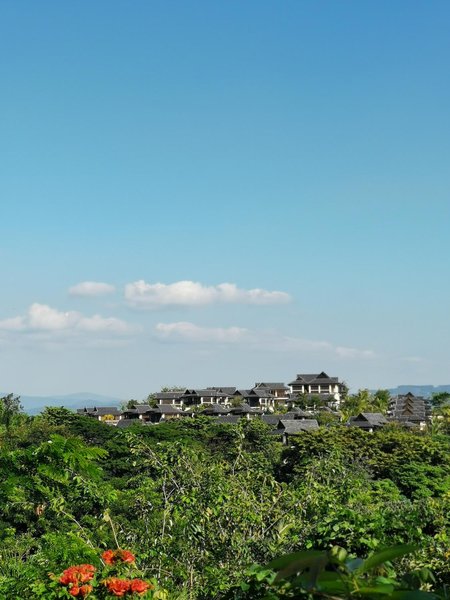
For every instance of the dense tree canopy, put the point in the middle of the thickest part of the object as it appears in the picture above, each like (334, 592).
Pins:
(200, 501)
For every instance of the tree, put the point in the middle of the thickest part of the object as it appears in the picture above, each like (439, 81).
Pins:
(380, 402)
(302, 401)
(10, 407)
(439, 399)
(237, 401)
(356, 403)
(151, 400)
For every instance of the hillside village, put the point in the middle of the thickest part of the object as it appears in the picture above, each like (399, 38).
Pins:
(289, 409)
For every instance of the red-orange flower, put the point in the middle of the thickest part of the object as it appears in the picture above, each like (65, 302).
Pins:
(85, 573)
(116, 586)
(77, 574)
(139, 586)
(125, 556)
(111, 557)
(85, 589)
(68, 576)
(108, 557)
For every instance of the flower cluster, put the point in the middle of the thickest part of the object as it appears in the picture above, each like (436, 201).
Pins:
(76, 579)
(113, 557)
(116, 579)
(121, 587)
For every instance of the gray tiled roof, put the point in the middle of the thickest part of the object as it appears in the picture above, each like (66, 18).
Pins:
(313, 378)
(228, 419)
(224, 390)
(208, 393)
(261, 393)
(271, 386)
(409, 407)
(272, 419)
(242, 409)
(367, 420)
(293, 427)
(168, 395)
(100, 411)
(215, 409)
(297, 414)
(138, 409)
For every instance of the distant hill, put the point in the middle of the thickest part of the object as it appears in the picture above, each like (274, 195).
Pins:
(33, 405)
(420, 390)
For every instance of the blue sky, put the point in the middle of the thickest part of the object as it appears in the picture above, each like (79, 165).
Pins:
(300, 149)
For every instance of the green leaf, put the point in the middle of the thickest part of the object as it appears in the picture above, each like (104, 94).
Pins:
(289, 564)
(414, 595)
(382, 588)
(385, 555)
(354, 564)
(304, 557)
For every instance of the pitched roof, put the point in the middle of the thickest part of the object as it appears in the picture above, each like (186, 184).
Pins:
(297, 414)
(100, 410)
(168, 395)
(215, 409)
(138, 409)
(316, 378)
(272, 419)
(228, 419)
(166, 409)
(242, 409)
(368, 420)
(271, 386)
(409, 407)
(207, 393)
(261, 393)
(293, 427)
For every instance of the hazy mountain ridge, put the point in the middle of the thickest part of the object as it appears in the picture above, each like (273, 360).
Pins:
(35, 404)
(420, 390)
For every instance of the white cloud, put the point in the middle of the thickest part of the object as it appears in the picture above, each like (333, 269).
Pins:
(414, 359)
(258, 340)
(344, 352)
(44, 318)
(194, 333)
(190, 293)
(91, 288)
(13, 324)
(293, 344)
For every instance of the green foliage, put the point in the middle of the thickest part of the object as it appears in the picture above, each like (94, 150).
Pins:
(365, 401)
(334, 574)
(418, 464)
(10, 408)
(440, 399)
(200, 501)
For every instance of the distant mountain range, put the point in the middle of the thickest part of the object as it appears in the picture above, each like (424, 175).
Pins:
(420, 390)
(33, 405)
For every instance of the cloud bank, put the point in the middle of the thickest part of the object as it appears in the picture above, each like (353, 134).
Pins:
(261, 340)
(44, 318)
(91, 288)
(140, 294)
(194, 333)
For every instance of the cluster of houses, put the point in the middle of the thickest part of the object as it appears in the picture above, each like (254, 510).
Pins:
(320, 393)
